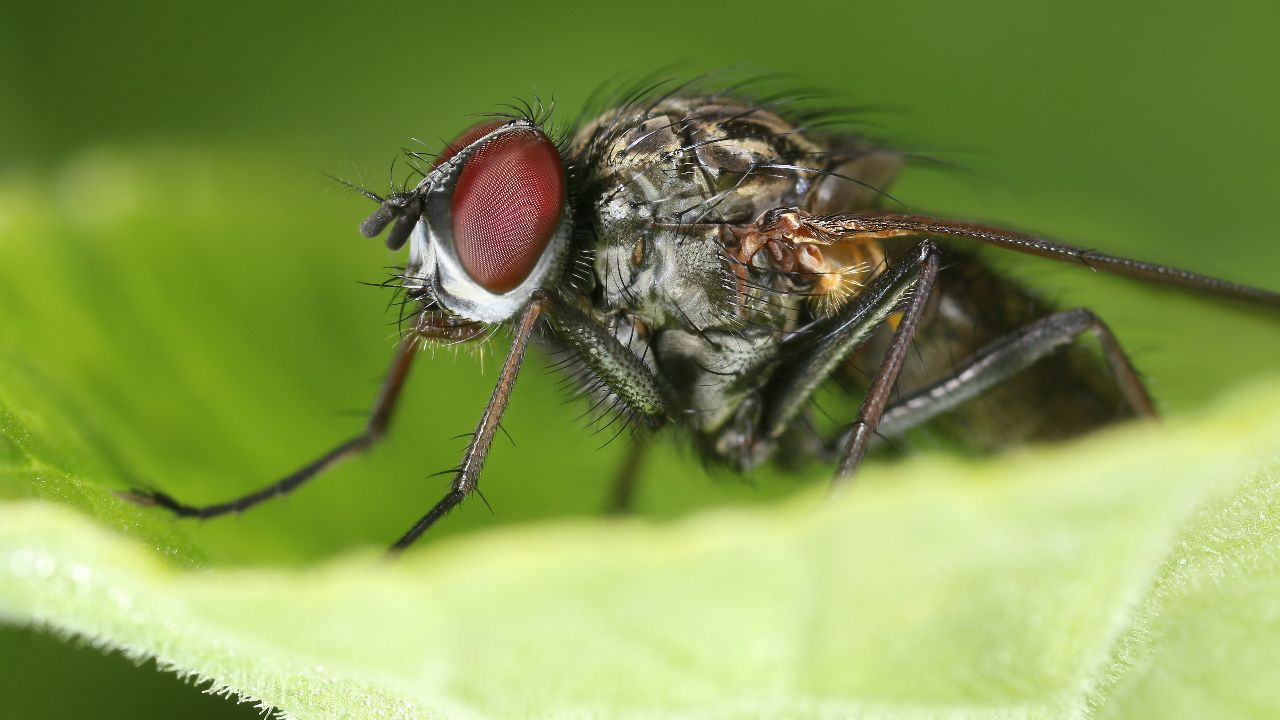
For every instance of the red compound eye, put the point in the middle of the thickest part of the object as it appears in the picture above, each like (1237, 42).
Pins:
(506, 205)
(468, 136)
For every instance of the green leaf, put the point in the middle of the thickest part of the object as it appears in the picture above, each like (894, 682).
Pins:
(1135, 574)
(191, 331)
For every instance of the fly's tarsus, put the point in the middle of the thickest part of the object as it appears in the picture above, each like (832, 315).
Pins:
(375, 427)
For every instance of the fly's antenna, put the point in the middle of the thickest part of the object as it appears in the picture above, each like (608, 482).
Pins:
(404, 208)
(353, 187)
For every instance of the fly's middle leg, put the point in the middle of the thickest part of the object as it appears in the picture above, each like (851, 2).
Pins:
(810, 357)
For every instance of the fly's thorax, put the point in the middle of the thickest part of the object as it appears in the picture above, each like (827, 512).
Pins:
(718, 369)
(721, 374)
(696, 160)
(666, 181)
(669, 278)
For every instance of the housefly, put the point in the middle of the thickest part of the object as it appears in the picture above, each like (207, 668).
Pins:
(708, 261)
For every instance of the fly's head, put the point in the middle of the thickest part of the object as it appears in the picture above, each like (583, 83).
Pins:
(487, 226)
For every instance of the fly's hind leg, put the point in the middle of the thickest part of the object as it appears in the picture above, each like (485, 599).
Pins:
(622, 494)
(877, 397)
(905, 286)
(1011, 354)
(375, 427)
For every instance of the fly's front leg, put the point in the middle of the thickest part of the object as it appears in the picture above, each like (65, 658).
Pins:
(1011, 354)
(905, 286)
(468, 471)
(618, 369)
(375, 427)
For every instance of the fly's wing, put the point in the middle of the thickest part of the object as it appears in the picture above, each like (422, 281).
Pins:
(858, 174)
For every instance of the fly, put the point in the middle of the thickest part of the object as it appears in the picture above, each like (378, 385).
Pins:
(707, 262)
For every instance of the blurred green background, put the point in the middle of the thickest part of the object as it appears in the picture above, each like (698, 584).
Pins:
(178, 284)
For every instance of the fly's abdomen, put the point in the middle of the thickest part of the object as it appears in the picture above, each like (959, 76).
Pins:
(1061, 396)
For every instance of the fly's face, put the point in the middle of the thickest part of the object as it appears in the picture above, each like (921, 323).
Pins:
(487, 226)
